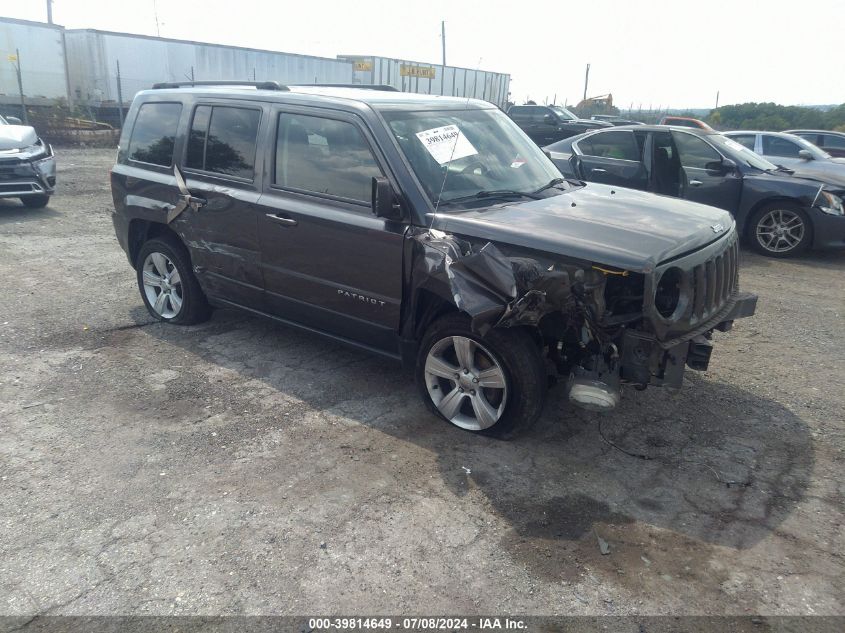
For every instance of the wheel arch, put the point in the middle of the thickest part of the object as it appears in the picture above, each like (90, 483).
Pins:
(140, 231)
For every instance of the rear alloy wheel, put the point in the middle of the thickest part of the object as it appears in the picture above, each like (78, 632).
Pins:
(493, 384)
(168, 286)
(780, 230)
(162, 285)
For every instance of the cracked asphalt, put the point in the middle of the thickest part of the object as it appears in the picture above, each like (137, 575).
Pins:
(242, 467)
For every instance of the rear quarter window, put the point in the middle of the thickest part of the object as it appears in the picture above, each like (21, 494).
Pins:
(154, 133)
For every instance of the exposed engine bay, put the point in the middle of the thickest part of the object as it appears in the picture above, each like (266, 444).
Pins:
(598, 326)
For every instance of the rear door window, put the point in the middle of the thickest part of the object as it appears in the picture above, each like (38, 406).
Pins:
(324, 156)
(520, 114)
(617, 144)
(154, 133)
(694, 152)
(777, 146)
(222, 140)
(829, 140)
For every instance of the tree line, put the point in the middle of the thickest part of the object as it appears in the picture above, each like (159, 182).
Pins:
(774, 117)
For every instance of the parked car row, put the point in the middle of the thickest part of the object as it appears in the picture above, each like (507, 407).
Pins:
(780, 214)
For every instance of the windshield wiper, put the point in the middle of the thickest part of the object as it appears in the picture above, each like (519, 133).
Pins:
(552, 183)
(494, 193)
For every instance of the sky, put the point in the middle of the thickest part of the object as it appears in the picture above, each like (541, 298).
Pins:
(647, 53)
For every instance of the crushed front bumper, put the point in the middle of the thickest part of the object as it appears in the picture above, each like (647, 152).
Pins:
(646, 360)
(23, 177)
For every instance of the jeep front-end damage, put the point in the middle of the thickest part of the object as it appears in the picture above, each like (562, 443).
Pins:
(598, 326)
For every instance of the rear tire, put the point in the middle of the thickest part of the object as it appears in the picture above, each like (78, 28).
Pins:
(492, 385)
(35, 202)
(168, 286)
(780, 229)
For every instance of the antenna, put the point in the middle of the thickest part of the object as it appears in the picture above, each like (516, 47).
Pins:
(454, 146)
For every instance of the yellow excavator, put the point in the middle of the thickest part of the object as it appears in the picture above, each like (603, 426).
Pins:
(596, 105)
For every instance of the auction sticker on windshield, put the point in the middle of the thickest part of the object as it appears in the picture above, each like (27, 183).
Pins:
(446, 143)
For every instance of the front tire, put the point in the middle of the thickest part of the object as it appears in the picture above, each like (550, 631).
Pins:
(780, 230)
(493, 385)
(35, 202)
(167, 283)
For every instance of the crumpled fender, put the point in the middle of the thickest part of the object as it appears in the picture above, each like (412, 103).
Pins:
(493, 289)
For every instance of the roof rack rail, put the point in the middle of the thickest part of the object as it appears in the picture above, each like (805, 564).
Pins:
(384, 87)
(260, 85)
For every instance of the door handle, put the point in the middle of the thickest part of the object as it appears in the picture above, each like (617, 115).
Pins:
(598, 170)
(282, 219)
(695, 183)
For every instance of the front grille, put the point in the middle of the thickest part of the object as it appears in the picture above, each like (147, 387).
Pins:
(712, 283)
(707, 285)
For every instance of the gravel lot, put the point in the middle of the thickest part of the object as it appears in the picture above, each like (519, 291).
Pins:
(244, 467)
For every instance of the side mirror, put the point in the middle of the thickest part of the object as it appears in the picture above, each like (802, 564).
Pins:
(549, 118)
(383, 202)
(724, 166)
(13, 120)
(805, 154)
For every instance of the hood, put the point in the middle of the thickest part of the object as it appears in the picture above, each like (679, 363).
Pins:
(828, 171)
(624, 228)
(16, 136)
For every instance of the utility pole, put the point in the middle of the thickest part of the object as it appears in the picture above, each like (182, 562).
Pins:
(20, 85)
(443, 43)
(586, 81)
(119, 96)
(717, 99)
(155, 14)
(49, 11)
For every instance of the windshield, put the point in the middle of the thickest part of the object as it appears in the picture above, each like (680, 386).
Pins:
(465, 152)
(563, 113)
(740, 153)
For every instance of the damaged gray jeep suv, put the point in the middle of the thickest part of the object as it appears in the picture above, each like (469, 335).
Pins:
(426, 229)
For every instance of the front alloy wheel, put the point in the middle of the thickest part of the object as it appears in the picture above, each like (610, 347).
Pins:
(780, 231)
(493, 384)
(162, 285)
(465, 383)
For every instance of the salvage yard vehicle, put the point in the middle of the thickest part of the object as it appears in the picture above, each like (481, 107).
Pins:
(780, 214)
(793, 152)
(426, 229)
(547, 124)
(27, 164)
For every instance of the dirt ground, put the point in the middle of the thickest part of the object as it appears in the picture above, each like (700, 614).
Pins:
(244, 467)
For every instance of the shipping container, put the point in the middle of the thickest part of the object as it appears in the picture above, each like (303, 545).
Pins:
(434, 79)
(93, 57)
(41, 58)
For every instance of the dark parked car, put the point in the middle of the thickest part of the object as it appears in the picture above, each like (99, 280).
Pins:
(831, 142)
(793, 152)
(780, 214)
(547, 124)
(426, 229)
(27, 164)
